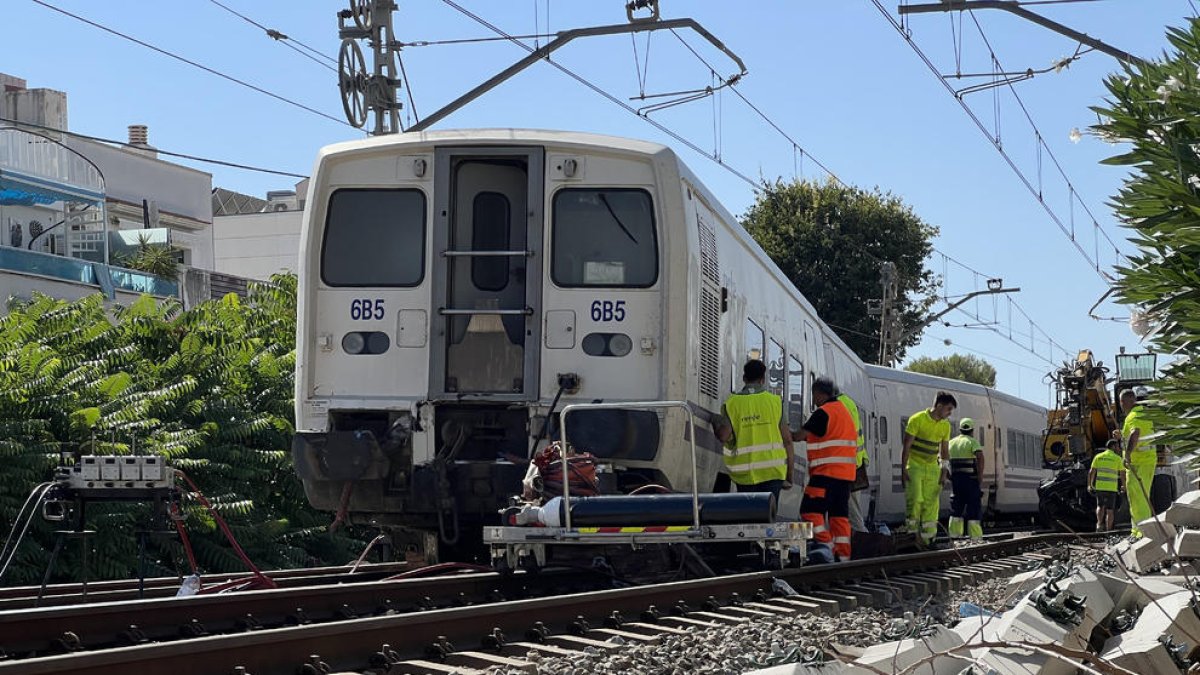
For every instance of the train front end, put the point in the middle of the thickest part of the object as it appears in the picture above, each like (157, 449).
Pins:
(453, 286)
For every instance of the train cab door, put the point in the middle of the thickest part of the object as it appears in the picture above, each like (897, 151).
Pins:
(888, 449)
(487, 274)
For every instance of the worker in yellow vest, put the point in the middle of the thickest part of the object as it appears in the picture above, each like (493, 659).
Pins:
(925, 465)
(857, 523)
(1104, 482)
(1140, 458)
(758, 443)
(832, 441)
(966, 472)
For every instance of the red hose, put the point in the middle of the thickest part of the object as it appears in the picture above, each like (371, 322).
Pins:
(177, 518)
(259, 577)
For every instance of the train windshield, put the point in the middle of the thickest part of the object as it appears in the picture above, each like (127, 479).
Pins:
(374, 237)
(604, 237)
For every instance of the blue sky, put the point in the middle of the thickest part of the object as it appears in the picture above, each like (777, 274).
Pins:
(832, 73)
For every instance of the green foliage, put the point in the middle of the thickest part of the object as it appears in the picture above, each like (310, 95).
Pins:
(956, 367)
(157, 259)
(830, 239)
(1154, 111)
(209, 388)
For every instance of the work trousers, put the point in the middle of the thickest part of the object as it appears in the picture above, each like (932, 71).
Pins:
(921, 497)
(1139, 480)
(965, 503)
(857, 522)
(772, 486)
(826, 505)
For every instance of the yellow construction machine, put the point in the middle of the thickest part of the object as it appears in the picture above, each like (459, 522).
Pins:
(1085, 417)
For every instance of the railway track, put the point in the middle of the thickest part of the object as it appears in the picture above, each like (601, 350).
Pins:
(409, 639)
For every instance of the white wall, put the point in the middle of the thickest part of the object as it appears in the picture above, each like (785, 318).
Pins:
(257, 245)
(22, 286)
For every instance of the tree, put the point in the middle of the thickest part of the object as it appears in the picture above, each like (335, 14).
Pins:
(830, 240)
(1154, 111)
(160, 260)
(209, 388)
(956, 367)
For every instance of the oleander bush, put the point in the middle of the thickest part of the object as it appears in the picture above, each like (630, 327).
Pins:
(210, 388)
(1153, 114)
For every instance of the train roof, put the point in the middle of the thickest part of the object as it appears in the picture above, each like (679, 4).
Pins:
(947, 384)
(502, 137)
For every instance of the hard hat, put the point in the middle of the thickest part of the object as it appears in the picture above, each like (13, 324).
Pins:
(967, 424)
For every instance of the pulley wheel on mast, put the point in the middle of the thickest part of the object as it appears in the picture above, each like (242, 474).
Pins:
(352, 82)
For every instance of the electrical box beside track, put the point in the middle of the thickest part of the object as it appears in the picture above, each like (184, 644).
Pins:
(96, 473)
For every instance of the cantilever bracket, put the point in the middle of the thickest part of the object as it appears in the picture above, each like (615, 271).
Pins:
(1013, 7)
(561, 40)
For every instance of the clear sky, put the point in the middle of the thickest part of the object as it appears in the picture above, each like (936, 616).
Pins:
(833, 74)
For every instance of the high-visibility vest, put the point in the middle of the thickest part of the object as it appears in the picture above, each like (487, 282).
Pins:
(1108, 466)
(1134, 420)
(962, 455)
(758, 454)
(833, 454)
(928, 435)
(861, 458)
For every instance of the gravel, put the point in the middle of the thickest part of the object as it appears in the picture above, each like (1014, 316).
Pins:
(789, 639)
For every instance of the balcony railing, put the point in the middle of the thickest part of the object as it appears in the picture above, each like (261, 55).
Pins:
(106, 278)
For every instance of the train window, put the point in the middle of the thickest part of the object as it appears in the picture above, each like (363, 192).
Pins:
(998, 438)
(883, 429)
(795, 390)
(490, 224)
(374, 237)
(604, 237)
(775, 372)
(754, 340)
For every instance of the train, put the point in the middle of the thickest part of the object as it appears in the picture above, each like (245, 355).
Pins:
(458, 288)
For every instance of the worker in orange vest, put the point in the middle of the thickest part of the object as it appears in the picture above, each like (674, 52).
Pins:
(832, 440)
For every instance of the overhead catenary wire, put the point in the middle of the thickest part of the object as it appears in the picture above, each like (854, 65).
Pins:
(908, 39)
(610, 97)
(169, 153)
(284, 39)
(194, 64)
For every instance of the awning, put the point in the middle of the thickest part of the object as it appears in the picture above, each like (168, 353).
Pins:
(17, 188)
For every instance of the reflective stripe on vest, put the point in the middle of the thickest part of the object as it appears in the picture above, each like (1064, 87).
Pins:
(759, 455)
(834, 454)
(852, 408)
(1108, 466)
(962, 455)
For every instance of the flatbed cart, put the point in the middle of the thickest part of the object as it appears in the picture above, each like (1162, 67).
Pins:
(526, 547)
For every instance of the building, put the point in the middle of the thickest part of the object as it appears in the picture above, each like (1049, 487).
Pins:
(254, 237)
(71, 207)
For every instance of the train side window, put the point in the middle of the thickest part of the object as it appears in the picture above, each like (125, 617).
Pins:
(374, 237)
(490, 225)
(604, 238)
(775, 368)
(883, 435)
(998, 438)
(795, 389)
(754, 340)
(903, 426)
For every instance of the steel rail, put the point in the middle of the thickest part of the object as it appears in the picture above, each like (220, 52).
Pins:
(110, 624)
(356, 643)
(16, 597)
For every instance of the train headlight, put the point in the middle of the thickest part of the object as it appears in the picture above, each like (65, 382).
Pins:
(620, 344)
(607, 344)
(366, 342)
(354, 343)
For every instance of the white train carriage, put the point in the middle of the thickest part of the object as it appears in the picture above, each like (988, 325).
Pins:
(1009, 428)
(457, 287)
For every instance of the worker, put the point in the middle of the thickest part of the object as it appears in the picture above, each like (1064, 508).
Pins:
(1140, 459)
(758, 443)
(1105, 482)
(924, 465)
(857, 524)
(832, 440)
(966, 474)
